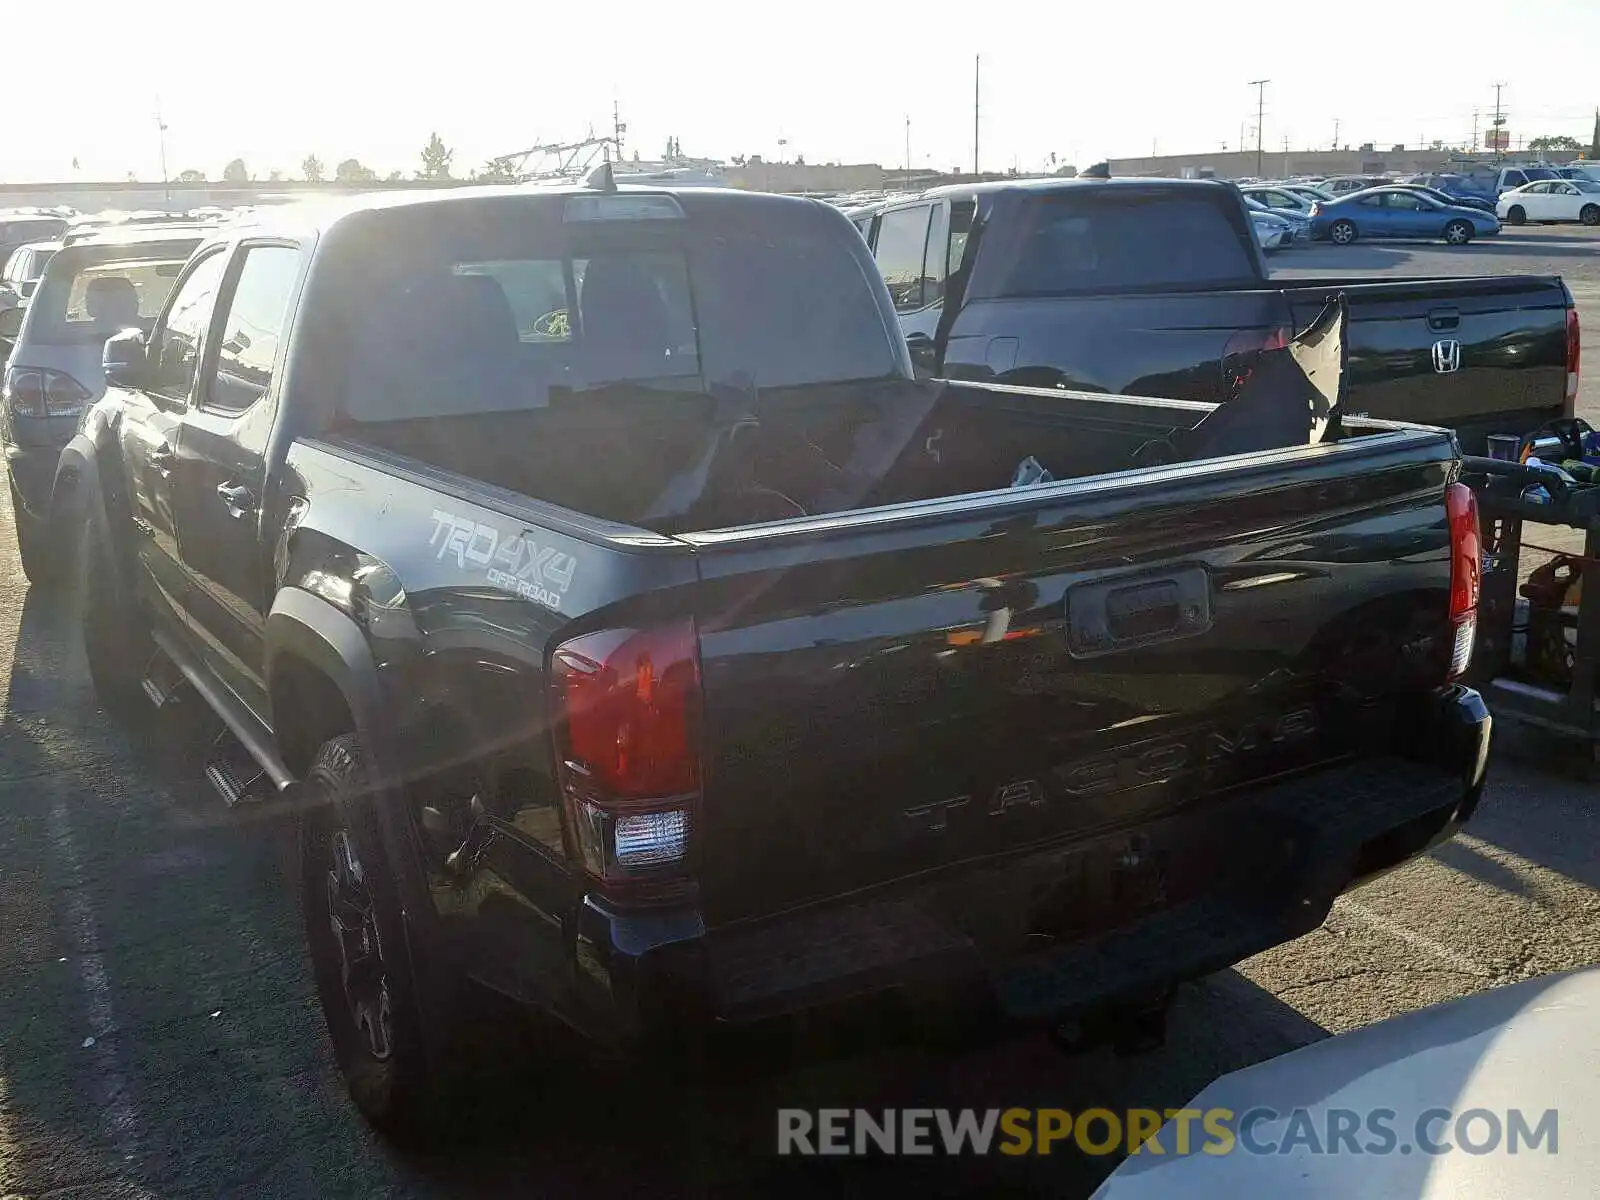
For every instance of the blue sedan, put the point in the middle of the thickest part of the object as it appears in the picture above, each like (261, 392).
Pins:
(1398, 212)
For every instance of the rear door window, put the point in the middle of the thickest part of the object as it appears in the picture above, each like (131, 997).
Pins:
(1124, 240)
(257, 317)
(84, 298)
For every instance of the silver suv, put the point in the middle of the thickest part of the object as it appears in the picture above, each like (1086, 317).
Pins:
(91, 289)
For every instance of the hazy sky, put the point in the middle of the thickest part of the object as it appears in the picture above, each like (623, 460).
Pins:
(272, 81)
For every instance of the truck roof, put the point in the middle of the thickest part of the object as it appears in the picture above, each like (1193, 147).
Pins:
(1053, 184)
(318, 216)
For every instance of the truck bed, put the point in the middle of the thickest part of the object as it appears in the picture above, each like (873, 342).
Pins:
(955, 669)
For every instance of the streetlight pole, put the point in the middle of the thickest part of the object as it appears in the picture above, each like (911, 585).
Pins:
(1260, 86)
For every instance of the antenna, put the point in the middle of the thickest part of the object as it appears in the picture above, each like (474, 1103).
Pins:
(977, 66)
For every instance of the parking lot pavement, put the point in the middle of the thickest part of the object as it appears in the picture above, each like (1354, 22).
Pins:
(158, 1036)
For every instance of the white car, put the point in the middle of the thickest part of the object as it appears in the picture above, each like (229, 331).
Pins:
(1489, 1096)
(1283, 198)
(1551, 200)
(1274, 233)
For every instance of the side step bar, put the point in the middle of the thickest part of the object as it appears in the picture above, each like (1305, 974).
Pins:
(248, 770)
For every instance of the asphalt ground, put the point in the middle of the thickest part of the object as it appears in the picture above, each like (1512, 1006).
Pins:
(159, 1038)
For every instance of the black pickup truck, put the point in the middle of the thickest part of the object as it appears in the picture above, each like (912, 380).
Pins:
(635, 635)
(1157, 288)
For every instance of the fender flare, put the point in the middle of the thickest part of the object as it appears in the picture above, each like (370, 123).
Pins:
(312, 629)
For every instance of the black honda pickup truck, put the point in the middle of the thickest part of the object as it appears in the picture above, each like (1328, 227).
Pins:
(636, 636)
(1157, 287)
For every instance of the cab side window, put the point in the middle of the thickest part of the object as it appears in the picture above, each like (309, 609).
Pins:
(175, 345)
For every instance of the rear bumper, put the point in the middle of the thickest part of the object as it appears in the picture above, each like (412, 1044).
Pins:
(1293, 847)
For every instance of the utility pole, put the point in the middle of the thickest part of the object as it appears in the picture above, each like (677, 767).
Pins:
(1286, 156)
(161, 132)
(1336, 133)
(1474, 130)
(617, 127)
(1499, 124)
(1260, 86)
(977, 66)
(908, 143)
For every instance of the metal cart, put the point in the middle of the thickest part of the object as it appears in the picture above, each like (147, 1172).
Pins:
(1511, 690)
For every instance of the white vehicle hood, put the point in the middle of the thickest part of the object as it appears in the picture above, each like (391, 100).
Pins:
(1531, 1046)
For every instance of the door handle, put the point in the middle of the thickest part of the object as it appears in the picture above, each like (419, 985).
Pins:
(239, 500)
(162, 458)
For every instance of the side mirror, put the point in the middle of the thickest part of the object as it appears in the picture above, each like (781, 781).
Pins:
(125, 360)
(11, 322)
(26, 287)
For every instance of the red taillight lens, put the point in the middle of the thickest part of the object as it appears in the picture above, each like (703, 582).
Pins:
(34, 392)
(1466, 574)
(628, 715)
(1574, 355)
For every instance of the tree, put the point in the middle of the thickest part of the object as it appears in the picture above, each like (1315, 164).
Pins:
(311, 168)
(395, 177)
(191, 176)
(1555, 142)
(351, 171)
(235, 172)
(497, 170)
(436, 158)
(1594, 146)
(274, 175)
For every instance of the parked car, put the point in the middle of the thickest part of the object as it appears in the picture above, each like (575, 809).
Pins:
(1299, 223)
(1155, 288)
(1581, 170)
(20, 227)
(1446, 196)
(1552, 200)
(1281, 199)
(1315, 193)
(1343, 1116)
(1515, 177)
(1465, 189)
(1340, 185)
(686, 667)
(1398, 212)
(25, 267)
(1272, 232)
(90, 290)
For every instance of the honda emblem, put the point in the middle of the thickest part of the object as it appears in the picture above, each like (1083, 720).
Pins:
(1447, 356)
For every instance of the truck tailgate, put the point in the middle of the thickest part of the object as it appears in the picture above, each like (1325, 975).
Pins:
(900, 691)
(1479, 355)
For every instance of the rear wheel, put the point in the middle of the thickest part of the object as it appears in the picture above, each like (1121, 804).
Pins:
(1590, 214)
(1458, 233)
(361, 956)
(1342, 232)
(1517, 215)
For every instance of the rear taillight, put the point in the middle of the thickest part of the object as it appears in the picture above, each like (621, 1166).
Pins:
(1574, 354)
(627, 708)
(1316, 209)
(1466, 574)
(1241, 353)
(35, 392)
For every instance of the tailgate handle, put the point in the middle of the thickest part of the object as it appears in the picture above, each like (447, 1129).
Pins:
(1119, 614)
(1440, 319)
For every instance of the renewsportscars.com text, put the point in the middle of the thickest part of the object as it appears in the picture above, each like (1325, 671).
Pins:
(1175, 1131)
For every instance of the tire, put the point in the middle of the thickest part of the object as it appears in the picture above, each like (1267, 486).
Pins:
(116, 633)
(1589, 214)
(43, 561)
(1458, 232)
(1343, 233)
(1516, 215)
(364, 963)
